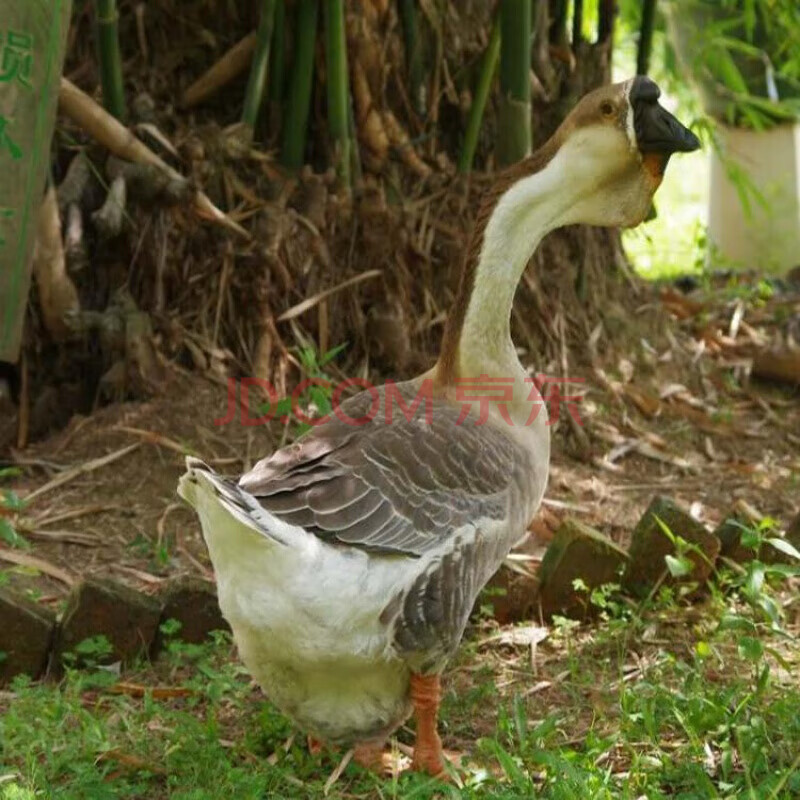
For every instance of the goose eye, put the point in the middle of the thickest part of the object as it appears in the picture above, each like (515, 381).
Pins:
(607, 108)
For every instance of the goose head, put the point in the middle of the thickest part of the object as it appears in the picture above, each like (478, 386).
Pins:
(614, 148)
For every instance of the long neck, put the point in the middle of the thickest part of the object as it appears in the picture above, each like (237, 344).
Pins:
(513, 220)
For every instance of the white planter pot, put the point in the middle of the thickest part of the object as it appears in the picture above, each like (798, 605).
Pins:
(761, 237)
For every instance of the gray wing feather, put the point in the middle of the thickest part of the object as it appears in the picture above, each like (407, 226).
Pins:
(399, 487)
(428, 616)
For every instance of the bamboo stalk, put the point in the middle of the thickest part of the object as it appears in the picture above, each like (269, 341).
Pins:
(277, 71)
(108, 56)
(558, 23)
(338, 88)
(646, 37)
(298, 102)
(488, 69)
(277, 55)
(514, 129)
(577, 22)
(605, 22)
(259, 67)
(416, 77)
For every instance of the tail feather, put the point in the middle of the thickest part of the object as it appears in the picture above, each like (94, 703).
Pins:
(239, 504)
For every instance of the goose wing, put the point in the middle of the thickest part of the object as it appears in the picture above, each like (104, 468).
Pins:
(394, 484)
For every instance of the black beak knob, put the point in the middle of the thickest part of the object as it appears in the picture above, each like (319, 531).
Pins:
(657, 131)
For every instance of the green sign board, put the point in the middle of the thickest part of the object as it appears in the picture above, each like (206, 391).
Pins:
(32, 39)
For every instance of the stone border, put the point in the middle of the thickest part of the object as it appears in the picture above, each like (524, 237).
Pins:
(579, 552)
(34, 641)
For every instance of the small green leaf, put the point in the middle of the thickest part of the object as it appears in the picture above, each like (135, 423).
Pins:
(332, 353)
(579, 585)
(770, 608)
(10, 536)
(679, 567)
(750, 538)
(785, 547)
(750, 648)
(12, 501)
(755, 580)
(736, 622)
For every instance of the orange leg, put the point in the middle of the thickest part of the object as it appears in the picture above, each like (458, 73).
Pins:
(426, 694)
(314, 745)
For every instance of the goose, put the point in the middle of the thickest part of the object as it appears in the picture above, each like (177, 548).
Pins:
(348, 562)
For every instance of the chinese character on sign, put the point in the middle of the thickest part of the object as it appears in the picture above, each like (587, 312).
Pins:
(7, 143)
(16, 61)
(502, 392)
(5, 213)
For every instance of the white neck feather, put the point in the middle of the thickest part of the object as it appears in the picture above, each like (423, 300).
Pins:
(574, 187)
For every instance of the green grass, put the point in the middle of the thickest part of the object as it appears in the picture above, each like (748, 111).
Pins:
(655, 700)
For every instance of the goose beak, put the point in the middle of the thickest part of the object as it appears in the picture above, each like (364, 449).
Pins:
(657, 131)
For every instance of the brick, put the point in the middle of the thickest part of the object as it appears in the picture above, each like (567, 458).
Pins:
(26, 636)
(192, 602)
(512, 595)
(127, 618)
(577, 552)
(650, 545)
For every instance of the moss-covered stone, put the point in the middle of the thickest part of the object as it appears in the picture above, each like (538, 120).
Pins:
(650, 546)
(193, 603)
(26, 635)
(577, 552)
(126, 618)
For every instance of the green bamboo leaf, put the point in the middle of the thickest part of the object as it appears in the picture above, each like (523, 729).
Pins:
(724, 67)
(488, 69)
(259, 67)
